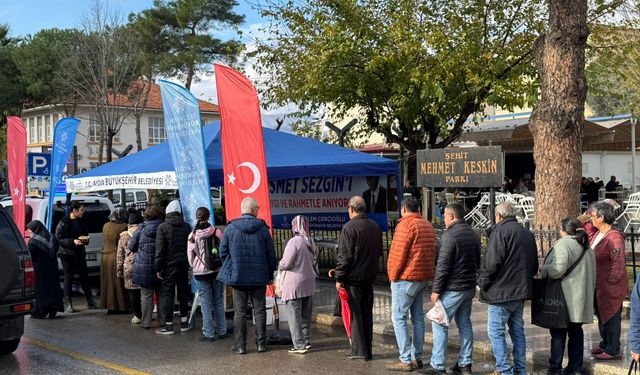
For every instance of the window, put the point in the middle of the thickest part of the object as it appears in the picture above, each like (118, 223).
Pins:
(116, 138)
(156, 130)
(47, 127)
(141, 196)
(40, 130)
(32, 131)
(585, 168)
(94, 130)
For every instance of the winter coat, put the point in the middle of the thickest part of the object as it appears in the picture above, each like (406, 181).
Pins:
(458, 259)
(413, 250)
(634, 319)
(612, 284)
(300, 275)
(66, 232)
(143, 244)
(247, 253)
(359, 251)
(578, 288)
(509, 265)
(171, 243)
(126, 259)
(112, 292)
(196, 250)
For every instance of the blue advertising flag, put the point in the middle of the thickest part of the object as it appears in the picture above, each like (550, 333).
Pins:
(64, 136)
(186, 143)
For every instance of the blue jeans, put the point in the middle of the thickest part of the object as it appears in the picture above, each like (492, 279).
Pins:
(458, 306)
(211, 293)
(408, 296)
(508, 313)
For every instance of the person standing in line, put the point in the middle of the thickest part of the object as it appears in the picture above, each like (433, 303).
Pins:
(113, 295)
(248, 262)
(126, 260)
(506, 282)
(612, 282)
(172, 266)
(359, 251)
(72, 238)
(634, 322)
(578, 289)
(43, 249)
(455, 286)
(299, 284)
(143, 244)
(410, 267)
(203, 242)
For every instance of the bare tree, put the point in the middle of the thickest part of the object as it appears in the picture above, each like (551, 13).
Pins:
(103, 72)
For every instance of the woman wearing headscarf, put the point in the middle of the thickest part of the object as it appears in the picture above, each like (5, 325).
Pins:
(126, 260)
(299, 283)
(113, 296)
(44, 248)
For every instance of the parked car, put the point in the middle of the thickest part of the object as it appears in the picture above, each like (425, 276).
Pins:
(138, 196)
(96, 214)
(17, 284)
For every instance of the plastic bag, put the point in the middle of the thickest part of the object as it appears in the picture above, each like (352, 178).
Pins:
(438, 314)
(278, 281)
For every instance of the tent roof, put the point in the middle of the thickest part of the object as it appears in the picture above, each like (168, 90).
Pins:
(287, 155)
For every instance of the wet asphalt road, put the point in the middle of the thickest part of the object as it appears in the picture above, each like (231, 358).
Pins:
(91, 342)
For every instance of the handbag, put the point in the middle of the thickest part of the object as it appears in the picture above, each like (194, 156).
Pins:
(548, 306)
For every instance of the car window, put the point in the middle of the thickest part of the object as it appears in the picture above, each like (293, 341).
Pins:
(129, 197)
(141, 196)
(116, 198)
(7, 232)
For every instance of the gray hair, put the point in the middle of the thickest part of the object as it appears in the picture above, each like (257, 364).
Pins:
(357, 204)
(605, 211)
(249, 205)
(506, 209)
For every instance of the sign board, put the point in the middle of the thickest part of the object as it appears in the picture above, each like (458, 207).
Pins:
(39, 164)
(461, 167)
(324, 200)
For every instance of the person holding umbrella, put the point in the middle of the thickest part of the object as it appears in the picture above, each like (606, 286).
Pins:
(359, 250)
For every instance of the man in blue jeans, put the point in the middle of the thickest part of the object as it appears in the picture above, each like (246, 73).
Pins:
(506, 281)
(454, 286)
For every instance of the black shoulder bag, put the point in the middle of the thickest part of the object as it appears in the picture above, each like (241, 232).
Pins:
(548, 306)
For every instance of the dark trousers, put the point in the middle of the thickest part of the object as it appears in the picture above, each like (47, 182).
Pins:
(240, 304)
(361, 304)
(610, 333)
(576, 348)
(135, 302)
(175, 276)
(70, 266)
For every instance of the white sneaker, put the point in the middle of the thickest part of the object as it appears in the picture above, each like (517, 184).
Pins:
(136, 320)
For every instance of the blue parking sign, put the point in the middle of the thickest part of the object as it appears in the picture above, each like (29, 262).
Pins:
(39, 164)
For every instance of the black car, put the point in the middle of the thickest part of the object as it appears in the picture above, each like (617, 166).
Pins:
(17, 284)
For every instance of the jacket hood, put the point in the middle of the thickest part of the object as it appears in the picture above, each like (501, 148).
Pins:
(204, 233)
(174, 218)
(248, 223)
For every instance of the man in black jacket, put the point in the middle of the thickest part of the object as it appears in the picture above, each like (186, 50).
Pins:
(455, 286)
(359, 248)
(172, 266)
(72, 237)
(506, 281)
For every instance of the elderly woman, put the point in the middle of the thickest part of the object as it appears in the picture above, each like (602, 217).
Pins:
(612, 284)
(571, 253)
(125, 265)
(113, 296)
(43, 248)
(299, 284)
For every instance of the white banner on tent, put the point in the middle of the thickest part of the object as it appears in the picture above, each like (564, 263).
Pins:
(157, 180)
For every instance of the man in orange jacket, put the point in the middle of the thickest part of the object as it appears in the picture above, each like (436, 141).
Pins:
(410, 266)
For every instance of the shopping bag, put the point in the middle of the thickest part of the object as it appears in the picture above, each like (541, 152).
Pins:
(278, 281)
(548, 306)
(438, 314)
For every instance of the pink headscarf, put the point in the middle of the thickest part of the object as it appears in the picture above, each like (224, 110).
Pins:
(300, 225)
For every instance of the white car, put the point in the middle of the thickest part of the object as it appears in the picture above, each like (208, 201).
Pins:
(97, 210)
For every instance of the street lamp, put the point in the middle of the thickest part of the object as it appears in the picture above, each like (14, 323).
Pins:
(633, 153)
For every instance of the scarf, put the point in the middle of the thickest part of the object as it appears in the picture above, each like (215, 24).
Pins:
(300, 226)
(42, 239)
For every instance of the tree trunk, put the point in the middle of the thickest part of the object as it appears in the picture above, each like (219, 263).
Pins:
(101, 147)
(557, 121)
(138, 135)
(109, 146)
(190, 75)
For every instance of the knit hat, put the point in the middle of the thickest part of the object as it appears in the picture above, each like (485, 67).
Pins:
(173, 206)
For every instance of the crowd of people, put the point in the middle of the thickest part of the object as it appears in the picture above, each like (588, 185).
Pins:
(150, 255)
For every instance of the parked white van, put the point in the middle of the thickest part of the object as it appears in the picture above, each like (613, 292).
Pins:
(138, 197)
(97, 210)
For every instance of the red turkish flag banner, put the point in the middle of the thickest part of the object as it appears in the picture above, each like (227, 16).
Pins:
(243, 157)
(17, 160)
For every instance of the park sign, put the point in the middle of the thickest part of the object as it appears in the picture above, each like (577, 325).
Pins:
(460, 167)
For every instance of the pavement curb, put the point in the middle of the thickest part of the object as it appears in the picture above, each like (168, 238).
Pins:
(482, 349)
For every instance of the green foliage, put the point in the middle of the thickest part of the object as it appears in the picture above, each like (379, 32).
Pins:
(178, 35)
(417, 65)
(12, 88)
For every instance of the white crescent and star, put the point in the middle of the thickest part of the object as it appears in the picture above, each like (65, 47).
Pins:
(256, 177)
(18, 191)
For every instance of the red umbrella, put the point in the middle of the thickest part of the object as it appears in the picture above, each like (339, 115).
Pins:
(346, 310)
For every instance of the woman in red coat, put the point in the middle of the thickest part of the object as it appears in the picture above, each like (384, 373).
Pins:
(612, 284)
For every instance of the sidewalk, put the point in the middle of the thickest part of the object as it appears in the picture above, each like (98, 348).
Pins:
(537, 338)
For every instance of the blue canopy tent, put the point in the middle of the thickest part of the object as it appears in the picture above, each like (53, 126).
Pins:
(288, 156)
